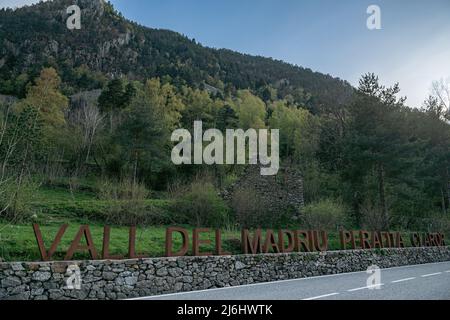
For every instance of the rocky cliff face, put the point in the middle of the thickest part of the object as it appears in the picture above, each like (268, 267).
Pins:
(46, 40)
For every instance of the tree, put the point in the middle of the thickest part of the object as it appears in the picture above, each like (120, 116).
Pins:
(434, 106)
(299, 142)
(115, 98)
(267, 93)
(20, 137)
(435, 132)
(166, 103)
(49, 103)
(251, 110)
(299, 131)
(44, 96)
(143, 137)
(376, 142)
(438, 105)
(441, 92)
(199, 107)
(227, 118)
(87, 120)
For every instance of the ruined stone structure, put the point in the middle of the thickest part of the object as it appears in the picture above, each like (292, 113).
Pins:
(278, 193)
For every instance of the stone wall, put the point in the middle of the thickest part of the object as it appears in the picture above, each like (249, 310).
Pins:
(279, 193)
(146, 277)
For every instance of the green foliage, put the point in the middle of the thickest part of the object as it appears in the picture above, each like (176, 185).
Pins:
(199, 106)
(299, 130)
(201, 206)
(48, 101)
(227, 118)
(327, 214)
(251, 111)
(378, 146)
(167, 104)
(390, 164)
(135, 213)
(16, 200)
(145, 53)
(115, 96)
(125, 189)
(404, 176)
(248, 209)
(127, 205)
(21, 137)
(142, 136)
(120, 212)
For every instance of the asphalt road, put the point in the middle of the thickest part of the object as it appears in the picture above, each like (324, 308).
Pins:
(419, 282)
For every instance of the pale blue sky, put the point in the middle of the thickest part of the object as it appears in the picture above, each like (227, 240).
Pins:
(329, 36)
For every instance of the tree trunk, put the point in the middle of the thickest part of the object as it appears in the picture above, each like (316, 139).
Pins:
(90, 142)
(444, 210)
(135, 167)
(111, 122)
(384, 211)
(448, 190)
(358, 214)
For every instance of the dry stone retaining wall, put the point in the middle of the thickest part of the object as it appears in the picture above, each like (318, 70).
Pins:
(145, 277)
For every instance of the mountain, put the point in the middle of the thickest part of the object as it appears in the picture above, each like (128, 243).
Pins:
(108, 45)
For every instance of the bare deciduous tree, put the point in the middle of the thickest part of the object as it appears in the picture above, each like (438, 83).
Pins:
(441, 91)
(88, 119)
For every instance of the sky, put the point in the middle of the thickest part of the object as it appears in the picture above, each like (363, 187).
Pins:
(329, 36)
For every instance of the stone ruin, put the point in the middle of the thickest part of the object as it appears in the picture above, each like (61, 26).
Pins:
(279, 193)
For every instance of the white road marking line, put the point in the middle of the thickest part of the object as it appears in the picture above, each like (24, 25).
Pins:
(368, 287)
(403, 280)
(323, 296)
(284, 281)
(431, 274)
(448, 271)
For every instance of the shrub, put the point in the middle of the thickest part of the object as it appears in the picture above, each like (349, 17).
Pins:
(248, 209)
(253, 211)
(134, 213)
(435, 222)
(125, 189)
(126, 203)
(325, 214)
(229, 180)
(372, 218)
(426, 221)
(201, 205)
(16, 201)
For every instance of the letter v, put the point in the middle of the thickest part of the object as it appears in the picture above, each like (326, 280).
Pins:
(44, 254)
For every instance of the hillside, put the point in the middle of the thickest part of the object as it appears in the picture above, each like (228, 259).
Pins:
(110, 45)
(87, 119)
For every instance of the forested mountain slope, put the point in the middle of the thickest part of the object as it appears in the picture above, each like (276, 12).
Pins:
(109, 45)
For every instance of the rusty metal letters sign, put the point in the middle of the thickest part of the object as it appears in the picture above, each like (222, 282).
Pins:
(252, 242)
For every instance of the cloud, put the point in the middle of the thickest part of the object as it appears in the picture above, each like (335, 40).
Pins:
(17, 3)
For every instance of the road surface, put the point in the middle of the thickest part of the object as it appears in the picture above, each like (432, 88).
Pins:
(419, 282)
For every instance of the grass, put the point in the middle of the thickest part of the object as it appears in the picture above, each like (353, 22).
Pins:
(55, 206)
(93, 210)
(58, 205)
(46, 193)
(19, 244)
